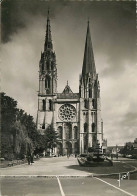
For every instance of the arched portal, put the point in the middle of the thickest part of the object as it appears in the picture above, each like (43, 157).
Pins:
(60, 132)
(76, 148)
(85, 137)
(60, 149)
(68, 131)
(75, 129)
(69, 147)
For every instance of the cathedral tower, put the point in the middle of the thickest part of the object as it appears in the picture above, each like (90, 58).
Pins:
(76, 117)
(89, 90)
(47, 81)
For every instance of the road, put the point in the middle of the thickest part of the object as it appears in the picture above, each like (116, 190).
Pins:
(62, 177)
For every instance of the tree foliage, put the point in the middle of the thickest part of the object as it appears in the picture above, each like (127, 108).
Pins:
(51, 137)
(19, 135)
(18, 130)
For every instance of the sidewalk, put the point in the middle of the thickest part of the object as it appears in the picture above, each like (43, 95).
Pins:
(63, 166)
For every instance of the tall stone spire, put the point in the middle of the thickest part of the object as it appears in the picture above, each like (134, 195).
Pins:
(47, 65)
(48, 38)
(88, 61)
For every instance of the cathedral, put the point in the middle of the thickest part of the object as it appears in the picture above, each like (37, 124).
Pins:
(76, 117)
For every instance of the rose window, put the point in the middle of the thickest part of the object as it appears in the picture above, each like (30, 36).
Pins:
(67, 112)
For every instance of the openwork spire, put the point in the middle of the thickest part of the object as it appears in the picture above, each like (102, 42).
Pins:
(88, 61)
(48, 38)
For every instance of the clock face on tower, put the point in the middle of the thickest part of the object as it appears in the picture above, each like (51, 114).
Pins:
(67, 112)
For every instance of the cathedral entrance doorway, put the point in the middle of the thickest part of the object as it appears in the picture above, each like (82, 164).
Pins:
(76, 148)
(60, 148)
(85, 137)
(69, 147)
(68, 131)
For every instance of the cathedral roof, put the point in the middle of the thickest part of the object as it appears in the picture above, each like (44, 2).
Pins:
(67, 89)
(88, 61)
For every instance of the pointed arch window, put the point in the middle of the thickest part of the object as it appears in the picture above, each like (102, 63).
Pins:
(93, 127)
(75, 132)
(93, 103)
(90, 93)
(90, 90)
(48, 65)
(85, 127)
(43, 126)
(50, 105)
(47, 82)
(60, 132)
(44, 105)
(86, 104)
(52, 65)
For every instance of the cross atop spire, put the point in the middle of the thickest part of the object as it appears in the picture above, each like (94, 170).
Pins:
(88, 20)
(48, 38)
(88, 61)
(48, 11)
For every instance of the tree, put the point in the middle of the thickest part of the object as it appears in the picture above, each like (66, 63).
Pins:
(18, 130)
(51, 137)
(8, 118)
(19, 135)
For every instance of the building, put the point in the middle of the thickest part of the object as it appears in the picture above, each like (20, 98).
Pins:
(132, 145)
(75, 116)
(113, 149)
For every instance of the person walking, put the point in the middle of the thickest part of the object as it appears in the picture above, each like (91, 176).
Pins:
(31, 158)
(28, 158)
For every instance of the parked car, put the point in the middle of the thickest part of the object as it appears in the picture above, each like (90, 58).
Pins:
(128, 156)
(2, 159)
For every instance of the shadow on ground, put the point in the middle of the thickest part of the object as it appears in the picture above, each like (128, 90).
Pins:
(116, 168)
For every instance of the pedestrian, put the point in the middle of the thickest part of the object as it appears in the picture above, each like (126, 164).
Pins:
(31, 158)
(117, 156)
(28, 158)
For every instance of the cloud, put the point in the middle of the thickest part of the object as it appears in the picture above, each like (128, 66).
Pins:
(113, 36)
(20, 63)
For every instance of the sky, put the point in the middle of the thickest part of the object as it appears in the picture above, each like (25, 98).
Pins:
(113, 34)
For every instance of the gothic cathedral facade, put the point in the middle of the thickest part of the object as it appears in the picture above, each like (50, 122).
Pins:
(76, 117)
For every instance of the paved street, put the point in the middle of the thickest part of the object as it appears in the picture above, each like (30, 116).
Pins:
(62, 166)
(80, 186)
(75, 182)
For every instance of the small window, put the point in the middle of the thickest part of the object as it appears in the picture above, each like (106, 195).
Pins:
(47, 65)
(47, 82)
(93, 103)
(44, 104)
(86, 104)
(90, 93)
(85, 127)
(93, 127)
(50, 105)
(52, 65)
